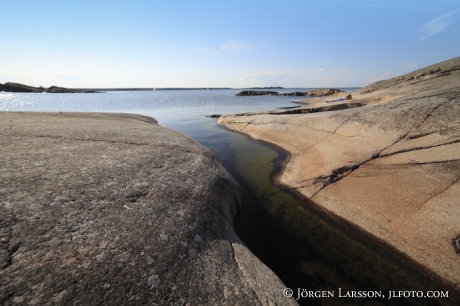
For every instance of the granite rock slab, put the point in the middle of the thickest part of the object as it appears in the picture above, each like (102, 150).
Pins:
(112, 209)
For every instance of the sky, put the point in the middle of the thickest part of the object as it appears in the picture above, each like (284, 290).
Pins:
(173, 43)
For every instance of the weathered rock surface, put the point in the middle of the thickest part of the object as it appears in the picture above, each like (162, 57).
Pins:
(111, 209)
(392, 167)
(17, 87)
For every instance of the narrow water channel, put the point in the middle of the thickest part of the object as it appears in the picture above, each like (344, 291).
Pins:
(302, 248)
(267, 220)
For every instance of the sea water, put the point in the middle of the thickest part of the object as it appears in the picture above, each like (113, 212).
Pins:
(181, 110)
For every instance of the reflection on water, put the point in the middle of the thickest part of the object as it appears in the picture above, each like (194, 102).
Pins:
(165, 102)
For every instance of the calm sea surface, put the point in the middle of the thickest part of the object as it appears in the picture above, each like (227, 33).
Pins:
(181, 110)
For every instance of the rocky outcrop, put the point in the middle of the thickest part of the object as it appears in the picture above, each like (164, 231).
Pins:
(422, 75)
(313, 93)
(391, 168)
(111, 209)
(323, 92)
(257, 93)
(17, 87)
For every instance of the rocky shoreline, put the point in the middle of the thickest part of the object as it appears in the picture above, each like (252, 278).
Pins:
(389, 167)
(113, 209)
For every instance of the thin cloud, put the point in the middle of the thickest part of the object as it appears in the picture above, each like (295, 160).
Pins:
(437, 25)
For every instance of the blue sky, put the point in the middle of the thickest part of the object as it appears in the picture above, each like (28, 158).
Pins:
(223, 43)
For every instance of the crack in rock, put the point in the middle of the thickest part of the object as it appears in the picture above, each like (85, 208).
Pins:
(419, 148)
(456, 244)
(135, 196)
(418, 126)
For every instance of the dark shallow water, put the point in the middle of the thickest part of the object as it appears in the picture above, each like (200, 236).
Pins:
(304, 250)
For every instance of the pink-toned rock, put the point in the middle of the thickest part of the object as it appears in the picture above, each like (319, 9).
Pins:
(392, 167)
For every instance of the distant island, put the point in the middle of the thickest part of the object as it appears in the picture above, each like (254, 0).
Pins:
(312, 93)
(17, 87)
(270, 87)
